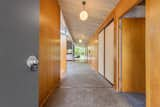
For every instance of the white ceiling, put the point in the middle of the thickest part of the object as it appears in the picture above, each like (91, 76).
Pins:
(97, 10)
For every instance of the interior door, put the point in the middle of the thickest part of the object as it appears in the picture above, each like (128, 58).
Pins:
(109, 53)
(101, 53)
(133, 55)
(19, 32)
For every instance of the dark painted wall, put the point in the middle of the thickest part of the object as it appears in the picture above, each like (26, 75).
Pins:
(19, 31)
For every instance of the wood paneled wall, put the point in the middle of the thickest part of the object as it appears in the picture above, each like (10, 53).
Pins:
(133, 55)
(152, 45)
(122, 7)
(49, 48)
(153, 53)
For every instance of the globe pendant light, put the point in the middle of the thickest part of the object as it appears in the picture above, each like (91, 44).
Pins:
(83, 14)
(80, 41)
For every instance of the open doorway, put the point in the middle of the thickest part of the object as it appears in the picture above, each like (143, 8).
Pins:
(132, 55)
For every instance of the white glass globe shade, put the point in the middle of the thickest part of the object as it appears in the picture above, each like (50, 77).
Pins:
(83, 15)
(80, 41)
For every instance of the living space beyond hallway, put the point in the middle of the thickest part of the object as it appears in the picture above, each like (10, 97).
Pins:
(83, 87)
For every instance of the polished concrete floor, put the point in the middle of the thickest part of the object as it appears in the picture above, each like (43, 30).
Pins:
(135, 99)
(82, 87)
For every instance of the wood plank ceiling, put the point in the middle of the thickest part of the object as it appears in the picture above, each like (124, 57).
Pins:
(97, 11)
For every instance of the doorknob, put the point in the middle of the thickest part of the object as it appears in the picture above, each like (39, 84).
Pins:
(32, 63)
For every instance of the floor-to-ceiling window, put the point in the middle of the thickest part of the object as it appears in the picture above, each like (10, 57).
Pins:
(80, 53)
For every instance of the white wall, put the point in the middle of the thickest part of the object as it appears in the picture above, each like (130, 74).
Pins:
(101, 53)
(109, 53)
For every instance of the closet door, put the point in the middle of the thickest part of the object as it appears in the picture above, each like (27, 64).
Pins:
(101, 53)
(109, 53)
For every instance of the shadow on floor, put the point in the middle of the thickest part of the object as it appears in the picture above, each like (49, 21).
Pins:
(135, 99)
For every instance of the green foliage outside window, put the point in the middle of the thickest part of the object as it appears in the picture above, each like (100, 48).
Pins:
(79, 51)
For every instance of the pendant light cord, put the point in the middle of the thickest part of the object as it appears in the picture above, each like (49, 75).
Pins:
(83, 3)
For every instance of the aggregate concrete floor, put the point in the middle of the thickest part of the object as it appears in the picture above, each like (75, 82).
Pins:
(83, 87)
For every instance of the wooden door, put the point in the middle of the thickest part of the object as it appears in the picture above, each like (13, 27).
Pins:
(133, 55)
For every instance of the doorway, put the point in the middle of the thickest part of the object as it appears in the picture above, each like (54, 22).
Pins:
(132, 55)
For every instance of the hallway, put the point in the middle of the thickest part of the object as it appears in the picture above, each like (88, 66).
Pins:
(82, 87)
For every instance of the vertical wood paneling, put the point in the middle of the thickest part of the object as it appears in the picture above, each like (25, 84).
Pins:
(122, 7)
(152, 45)
(49, 48)
(153, 53)
(133, 55)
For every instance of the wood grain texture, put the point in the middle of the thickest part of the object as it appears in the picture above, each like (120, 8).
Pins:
(49, 48)
(153, 53)
(133, 55)
(121, 8)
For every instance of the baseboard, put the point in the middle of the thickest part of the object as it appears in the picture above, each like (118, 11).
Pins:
(41, 104)
(106, 79)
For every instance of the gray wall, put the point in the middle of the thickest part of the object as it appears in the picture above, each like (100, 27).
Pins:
(19, 31)
(136, 12)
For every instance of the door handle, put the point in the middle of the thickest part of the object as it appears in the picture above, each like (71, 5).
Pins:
(32, 63)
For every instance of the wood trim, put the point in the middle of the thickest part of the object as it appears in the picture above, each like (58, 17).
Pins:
(148, 59)
(122, 7)
(106, 22)
(104, 52)
(152, 53)
(44, 101)
(116, 55)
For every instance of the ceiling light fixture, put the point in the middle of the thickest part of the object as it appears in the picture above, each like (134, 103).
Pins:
(83, 14)
(80, 41)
